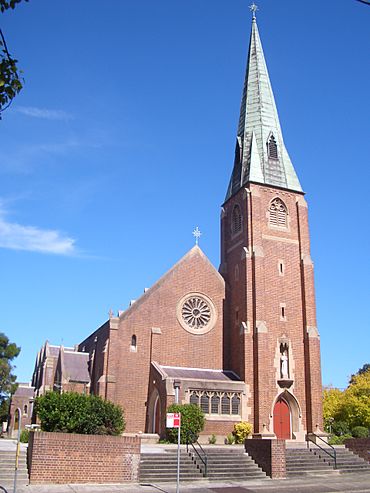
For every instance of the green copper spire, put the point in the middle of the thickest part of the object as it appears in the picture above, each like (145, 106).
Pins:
(260, 154)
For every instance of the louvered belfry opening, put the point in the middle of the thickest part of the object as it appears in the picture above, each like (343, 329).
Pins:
(278, 213)
(236, 220)
(272, 149)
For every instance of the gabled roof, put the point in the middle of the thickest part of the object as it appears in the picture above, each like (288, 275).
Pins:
(75, 367)
(195, 251)
(258, 122)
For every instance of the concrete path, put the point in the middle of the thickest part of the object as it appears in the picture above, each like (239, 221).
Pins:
(348, 483)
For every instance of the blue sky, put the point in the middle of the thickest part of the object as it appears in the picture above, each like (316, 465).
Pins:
(122, 142)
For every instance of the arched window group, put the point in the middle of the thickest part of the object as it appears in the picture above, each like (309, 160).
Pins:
(236, 223)
(278, 213)
(212, 402)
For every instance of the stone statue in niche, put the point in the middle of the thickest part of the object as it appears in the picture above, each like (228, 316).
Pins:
(284, 361)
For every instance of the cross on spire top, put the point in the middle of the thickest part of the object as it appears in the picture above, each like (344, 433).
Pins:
(253, 8)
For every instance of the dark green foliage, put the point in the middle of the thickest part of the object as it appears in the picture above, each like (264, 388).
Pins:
(72, 412)
(361, 371)
(10, 81)
(340, 428)
(360, 432)
(335, 440)
(4, 410)
(9, 4)
(8, 351)
(25, 435)
(192, 419)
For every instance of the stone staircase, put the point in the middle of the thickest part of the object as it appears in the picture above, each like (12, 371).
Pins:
(304, 462)
(315, 462)
(223, 465)
(348, 462)
(231, 464)
(7, 464)
(162, 467)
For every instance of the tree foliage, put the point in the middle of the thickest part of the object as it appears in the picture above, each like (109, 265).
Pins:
(346, 410)
(10, 80)
(241, 431)
(71, 412)
(8, 351)
(192, 420)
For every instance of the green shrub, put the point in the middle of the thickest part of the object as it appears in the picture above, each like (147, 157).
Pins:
(72, 412)
(230, 439)
(212, 439)
(241, 431)
(335, 440)
(340, 428)
(25, 435)
(360, 432)
(192, 420)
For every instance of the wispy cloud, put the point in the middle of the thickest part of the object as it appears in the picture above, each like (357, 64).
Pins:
(44, 113)
(15, 236)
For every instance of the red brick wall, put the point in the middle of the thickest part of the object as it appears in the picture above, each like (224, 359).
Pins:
(62, 458)
(257, 296)
(269, 455)
(359, 446)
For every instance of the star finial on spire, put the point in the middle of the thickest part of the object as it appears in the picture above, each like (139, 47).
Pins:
(253, 8)
(197, 234)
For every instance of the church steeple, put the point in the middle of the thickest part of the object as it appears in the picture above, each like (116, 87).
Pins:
(260, 154)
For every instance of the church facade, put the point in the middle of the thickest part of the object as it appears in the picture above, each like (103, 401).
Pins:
(242, 342)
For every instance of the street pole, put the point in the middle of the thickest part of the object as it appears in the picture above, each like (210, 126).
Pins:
(176, 385)
(18, 447)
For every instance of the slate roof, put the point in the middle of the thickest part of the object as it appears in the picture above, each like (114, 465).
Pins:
(258, 121)
(24, 390)
(75, 367)
(198, 374)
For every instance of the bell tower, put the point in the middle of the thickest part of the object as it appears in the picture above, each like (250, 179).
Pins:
(271, 339)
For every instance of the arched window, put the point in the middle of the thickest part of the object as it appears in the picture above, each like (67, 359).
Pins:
(278, 214)
(235, 404)
(236, 221)
(272, 150)
(133, 343)
(204, 403)
(194, 399)
(215, 404)
(225, 405)
(25, 409)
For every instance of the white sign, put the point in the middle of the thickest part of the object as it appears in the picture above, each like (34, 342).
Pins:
(173, 420)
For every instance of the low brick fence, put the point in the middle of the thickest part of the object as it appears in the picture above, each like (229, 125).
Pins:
(359, 446)
(63, 458)
(269, 455)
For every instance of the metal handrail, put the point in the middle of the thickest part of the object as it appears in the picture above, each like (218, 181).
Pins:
(332, 455)
(191, 439)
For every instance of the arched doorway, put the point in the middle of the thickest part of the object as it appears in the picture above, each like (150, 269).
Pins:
(282, 426)
(157, 416)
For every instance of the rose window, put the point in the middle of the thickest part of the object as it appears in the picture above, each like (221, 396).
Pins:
(196, 312)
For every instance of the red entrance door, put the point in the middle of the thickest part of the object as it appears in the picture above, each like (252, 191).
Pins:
(282, 420)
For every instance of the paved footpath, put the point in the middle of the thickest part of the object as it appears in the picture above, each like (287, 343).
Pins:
(347, 483)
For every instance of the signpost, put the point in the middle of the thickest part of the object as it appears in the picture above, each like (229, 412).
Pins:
(174, 421)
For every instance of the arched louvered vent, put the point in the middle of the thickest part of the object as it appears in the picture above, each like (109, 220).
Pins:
(278, 214)
(272, 150)
(236, 225)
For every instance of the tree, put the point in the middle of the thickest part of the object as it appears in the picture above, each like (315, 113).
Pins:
(71, 412)
(10, 80)
(346, 410)
(8, 351)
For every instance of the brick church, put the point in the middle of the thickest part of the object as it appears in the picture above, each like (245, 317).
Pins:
(241, 341)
